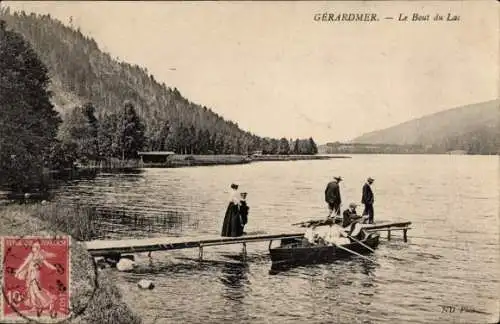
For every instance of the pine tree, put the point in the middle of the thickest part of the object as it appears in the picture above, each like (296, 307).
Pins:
(313, 148)
(28, 121)
(107, 129)
(284, 147)
(130, 132)
(80, 127)
(295, 149)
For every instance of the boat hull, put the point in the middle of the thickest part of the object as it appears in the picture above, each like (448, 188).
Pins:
(297, 252)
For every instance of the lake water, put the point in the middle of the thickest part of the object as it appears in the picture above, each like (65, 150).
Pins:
(451, 258)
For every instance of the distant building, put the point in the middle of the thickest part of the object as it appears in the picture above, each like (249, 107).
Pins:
(155, 157)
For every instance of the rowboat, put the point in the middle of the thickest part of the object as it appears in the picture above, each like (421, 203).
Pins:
(299, 251)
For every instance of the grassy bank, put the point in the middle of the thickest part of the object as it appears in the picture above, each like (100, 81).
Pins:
(98, 300)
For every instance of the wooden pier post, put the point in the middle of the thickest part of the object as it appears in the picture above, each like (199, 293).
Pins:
(200, 253)
(405, 238)
(389, 234)
(244, 251)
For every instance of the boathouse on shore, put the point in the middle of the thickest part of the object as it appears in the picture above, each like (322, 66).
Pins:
(155, 157)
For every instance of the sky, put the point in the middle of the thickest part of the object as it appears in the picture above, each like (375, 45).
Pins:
(273, 69)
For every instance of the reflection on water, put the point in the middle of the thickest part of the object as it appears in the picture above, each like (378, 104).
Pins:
(368, 268)
(452, 256)
(234, 277)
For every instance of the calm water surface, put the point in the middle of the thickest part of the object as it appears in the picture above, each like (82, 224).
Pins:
(451, 258)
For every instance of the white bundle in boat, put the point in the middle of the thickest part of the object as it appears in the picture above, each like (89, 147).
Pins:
(332, 235)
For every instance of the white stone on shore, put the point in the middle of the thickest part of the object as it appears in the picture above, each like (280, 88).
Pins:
(146, 284)
(125, 265)
(101, 263)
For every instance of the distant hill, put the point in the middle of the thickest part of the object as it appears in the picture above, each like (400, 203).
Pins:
(80, 73)
(473, 128)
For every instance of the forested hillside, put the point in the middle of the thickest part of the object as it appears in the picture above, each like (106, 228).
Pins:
(85, 78)
(473, 128)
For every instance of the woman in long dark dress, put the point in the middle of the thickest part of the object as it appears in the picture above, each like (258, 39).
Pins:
(232, 220)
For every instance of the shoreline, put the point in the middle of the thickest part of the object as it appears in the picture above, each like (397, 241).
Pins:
(193, 160)
(173, 161)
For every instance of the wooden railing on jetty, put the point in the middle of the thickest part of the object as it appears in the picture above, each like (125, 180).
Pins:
(395, 226)
(401, 226)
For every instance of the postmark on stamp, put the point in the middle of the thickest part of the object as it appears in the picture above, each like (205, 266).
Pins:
(35, 279)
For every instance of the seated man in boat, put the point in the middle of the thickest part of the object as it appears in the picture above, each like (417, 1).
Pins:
(350, 216)
(351, 221)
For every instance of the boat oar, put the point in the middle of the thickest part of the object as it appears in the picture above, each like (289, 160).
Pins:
(309, 222)
(303, 223)
(361, 243)
(372, 250)
(316, 222)
(355, 253)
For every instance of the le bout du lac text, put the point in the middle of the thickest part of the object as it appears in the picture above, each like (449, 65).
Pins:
(374, 17)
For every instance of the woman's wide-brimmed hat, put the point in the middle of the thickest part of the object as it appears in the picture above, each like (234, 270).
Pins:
(370, 179)
(338, 178)
(234, 186)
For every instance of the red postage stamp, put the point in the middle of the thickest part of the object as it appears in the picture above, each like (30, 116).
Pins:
(36, 278)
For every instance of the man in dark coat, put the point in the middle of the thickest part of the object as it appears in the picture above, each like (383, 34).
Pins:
(367, 199)
(332, 196)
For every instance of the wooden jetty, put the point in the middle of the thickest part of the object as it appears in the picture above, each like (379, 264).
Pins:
(389, 227)
(114, 249)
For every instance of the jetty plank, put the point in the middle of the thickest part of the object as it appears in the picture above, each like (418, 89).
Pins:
(103, 248)
(386, 225)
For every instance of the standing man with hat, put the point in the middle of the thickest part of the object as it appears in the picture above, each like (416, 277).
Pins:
(332, 196)
(367, 199)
